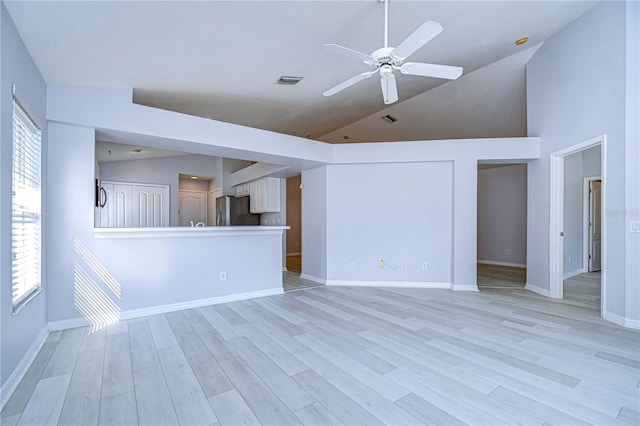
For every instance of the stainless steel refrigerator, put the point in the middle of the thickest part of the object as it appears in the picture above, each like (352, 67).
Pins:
(232, 211)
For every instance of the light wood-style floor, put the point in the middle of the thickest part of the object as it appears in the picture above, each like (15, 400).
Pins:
(340, 355)
(498, 276)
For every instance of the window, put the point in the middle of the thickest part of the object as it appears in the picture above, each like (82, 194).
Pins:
(26, 233)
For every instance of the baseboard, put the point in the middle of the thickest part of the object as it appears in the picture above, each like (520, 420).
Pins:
(491, 262)
(294, 254)
(534, 288)
(635, 324)
(23, 366)
(284, 269)
(620, 320)
(314, 279)
(464, 287)
(163, 309)
(572, 274)
(397, 284)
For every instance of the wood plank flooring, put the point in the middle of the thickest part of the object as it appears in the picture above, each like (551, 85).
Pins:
(341, 355)
(500, 276)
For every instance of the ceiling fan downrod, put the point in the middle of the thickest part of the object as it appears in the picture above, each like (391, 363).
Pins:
(386, 22)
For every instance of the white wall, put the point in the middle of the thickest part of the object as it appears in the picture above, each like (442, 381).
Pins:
(149, 271)
(576, 167)
(314, 224)
(577, 90)
(18, 332)
(399, 213)
(502, 214)
(160, 171)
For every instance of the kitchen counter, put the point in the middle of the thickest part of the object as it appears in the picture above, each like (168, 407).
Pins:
(188, 231)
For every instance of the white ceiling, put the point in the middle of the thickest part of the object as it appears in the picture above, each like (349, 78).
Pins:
(219, 59)
(110, 151)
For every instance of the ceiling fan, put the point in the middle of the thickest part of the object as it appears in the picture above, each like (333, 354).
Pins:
(388, 59)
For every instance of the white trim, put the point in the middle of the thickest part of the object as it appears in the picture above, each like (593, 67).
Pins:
(556, 215)
(314, 279)
(188, 231)
(536, 289)
(294, 254)
(572, 274)
(284, 269)
(23, 366)
(620, 320)
(491, 262)
(396, 284)
(464, 287)
(163, 309)
(635, 324)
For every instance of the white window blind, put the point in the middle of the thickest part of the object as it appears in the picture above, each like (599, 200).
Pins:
(26, 232)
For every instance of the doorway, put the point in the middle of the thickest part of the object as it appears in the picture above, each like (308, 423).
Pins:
(502, 226)
(563, 234)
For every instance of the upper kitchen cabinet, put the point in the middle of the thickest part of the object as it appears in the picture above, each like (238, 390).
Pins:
(264, 195)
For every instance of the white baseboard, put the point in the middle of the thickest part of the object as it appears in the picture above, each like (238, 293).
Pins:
(23, 366)
(620, 320)
(464, 287)
(314, 279)
(534, 288)
(284, 269)
(572, 274)
(294, 254)
(491, 262)
(163, 309)
(397, 284)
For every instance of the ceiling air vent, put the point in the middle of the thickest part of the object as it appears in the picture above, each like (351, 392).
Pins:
(288, 80)
(389, 119)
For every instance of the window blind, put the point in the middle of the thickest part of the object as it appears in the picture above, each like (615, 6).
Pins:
(26, 234)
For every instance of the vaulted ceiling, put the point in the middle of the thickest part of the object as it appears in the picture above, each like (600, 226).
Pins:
(220, 59)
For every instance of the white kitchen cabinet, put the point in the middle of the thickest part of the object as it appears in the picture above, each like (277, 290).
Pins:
(134, 206)
(264, 195)
(243, 190)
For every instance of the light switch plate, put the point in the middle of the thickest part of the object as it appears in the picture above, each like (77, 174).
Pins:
(634, 226)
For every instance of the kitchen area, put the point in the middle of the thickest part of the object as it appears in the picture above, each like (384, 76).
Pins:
(136, 188)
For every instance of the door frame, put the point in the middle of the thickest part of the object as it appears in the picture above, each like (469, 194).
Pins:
(585, 220)
(556, 216)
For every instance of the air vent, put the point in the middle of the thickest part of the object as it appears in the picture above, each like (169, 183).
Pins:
(288, 80)
(389, 119)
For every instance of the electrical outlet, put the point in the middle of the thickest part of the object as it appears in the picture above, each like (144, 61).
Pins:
(508, 252)
(400, 266)
(223, 276)
(424, 266)
(352, 265)
(634, 226)
(381, 264)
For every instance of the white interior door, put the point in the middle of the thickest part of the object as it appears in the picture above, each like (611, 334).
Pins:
(595, 194)
(193, 207)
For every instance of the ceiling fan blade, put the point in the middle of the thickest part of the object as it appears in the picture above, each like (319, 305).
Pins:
(358, 78)
(417, 39)
(389, 88)
(349, 53)
(431, 70)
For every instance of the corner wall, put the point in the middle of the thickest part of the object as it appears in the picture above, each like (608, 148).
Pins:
(23, 333)
(576, 90)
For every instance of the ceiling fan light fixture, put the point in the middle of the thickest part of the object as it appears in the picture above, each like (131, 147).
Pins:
(389, 119)
(287, 80)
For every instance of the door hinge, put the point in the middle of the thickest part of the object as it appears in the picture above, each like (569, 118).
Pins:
(589, 256)
(562, 234)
